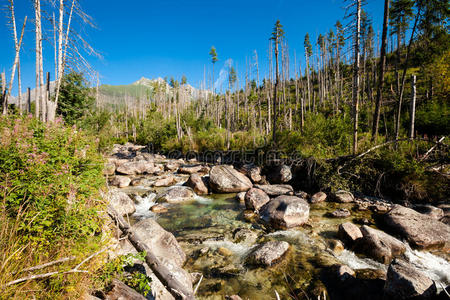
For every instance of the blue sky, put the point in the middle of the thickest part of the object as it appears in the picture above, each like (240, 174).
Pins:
(173, 37)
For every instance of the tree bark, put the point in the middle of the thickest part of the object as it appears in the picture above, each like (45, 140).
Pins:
(356, 78)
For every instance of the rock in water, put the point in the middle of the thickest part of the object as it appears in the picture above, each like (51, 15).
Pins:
(109, 169)
(136, 168)
(255, 199)
(379, 245)
(190, 169)
(165, 181)
(120, 290)
(340, 213)
(281, 174)
(405, 282)
(163, 243)
(120, 181)
(422, 231)
(268, 253)
(121, 202)
(197, 183)
(225, 179)
(286, 212)
(343, 196)
(276, 189)
(318, 197)
(177, 194)
(349, 233)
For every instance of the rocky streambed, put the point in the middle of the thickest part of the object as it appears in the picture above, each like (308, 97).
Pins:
(228, 232)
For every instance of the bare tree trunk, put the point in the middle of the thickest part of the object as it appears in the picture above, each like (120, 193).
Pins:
(29, 100)
(275, 112)
(413, 106)
(356, 78)
(376, 117)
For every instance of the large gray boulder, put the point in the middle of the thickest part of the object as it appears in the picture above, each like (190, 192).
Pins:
(176, 194)
(162, 243)
(121, 202)
(274, 190)
(405, 282)
(421, 231)
(318, 197)
(281, 174)
(379, 245)
(197, 183)
(268, 254)
(136, 168)
(285, 212)
(225, 179)
(255, 199)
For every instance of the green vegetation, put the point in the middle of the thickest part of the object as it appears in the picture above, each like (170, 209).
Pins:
(50, 177)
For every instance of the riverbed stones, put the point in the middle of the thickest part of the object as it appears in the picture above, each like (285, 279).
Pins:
(142, 181)
(379, 245)
(245, 235)
(167, 180)
(109, 169)
(343, 196)
(318, 197)
(285, 212)
(340, 213)
(251, 171)
(336, 246)
(403, 281)
(162, 242)
(342, 272)
(190, 169)
(225, 179)
(268, 254)
(274, 190)
(197, 183)
(136, 168)
(349, 233)
(176, 194)
(431, 211)
(255, 199)
(280, 174)
(121, 203)
(421, 231)
(241, 197)
(158, 208)
(172, 166)
(120, 181)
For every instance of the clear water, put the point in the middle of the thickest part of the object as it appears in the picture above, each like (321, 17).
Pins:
(204, 228)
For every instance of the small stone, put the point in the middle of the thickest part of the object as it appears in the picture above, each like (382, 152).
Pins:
(349, 233)
(241, 197)
(336, 246)
(343, 196)
(269, 253)
(255, 199)
(224, 251)
(158, 208)
(318, 197)
(340, 213)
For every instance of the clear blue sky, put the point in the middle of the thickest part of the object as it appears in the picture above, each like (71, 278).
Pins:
(158, 38)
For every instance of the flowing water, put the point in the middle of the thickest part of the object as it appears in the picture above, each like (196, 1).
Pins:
(204, 228)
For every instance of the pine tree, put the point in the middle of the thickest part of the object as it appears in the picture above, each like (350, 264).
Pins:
(308, 54)
(214, 59)
(277, 35)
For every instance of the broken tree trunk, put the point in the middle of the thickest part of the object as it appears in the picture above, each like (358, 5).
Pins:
(167, 279)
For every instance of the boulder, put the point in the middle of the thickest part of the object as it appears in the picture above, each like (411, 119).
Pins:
(171, 166)
(318, 197)
(431, 211)
(109, 169)
(190, 169)
(142, 181)
(241, 197)
(285, 212)
(251, 171)
(158, 208)
(340, 213)
(336, 246)
(121, 203)
(197, 183)
(349, 233)
(403, 281)
(176, 194)
(421, 231)
(120, 181)
(225, 179)
(119, 290)
(379, 245)
(136, 168)
(255, 199)
(281, 174)
(245, 235)
(167, 180)
(268, 254)
(274, 190)
(163, 243)
(342, 272)
(343, 196)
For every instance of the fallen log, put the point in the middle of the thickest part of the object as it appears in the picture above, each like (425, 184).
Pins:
(174, 287)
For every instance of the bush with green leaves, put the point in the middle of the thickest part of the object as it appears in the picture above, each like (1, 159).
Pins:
(50, 174)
